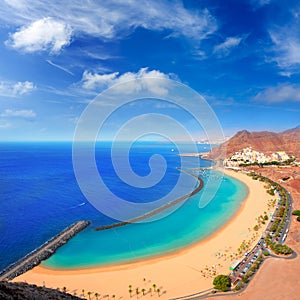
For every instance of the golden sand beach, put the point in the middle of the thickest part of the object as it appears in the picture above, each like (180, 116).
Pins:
(182, 273)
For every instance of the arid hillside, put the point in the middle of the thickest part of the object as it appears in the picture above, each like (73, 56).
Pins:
(263, 141)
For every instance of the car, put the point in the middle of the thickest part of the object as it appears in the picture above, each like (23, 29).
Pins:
(247, 253)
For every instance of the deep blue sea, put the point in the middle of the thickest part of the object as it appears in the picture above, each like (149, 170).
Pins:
(39, 196)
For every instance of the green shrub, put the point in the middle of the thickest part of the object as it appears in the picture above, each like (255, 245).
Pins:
(296, 212)
(266, 253)
(222, 282)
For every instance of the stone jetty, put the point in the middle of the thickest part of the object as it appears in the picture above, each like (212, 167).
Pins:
(35, 257)
(159, 209)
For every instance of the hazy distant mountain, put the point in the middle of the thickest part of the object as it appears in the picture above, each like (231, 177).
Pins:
(263, 141)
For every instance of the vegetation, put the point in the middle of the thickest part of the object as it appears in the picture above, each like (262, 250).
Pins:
(281, 249)
(239, 286)
(222, 283)
(296, 212)
(266, 253)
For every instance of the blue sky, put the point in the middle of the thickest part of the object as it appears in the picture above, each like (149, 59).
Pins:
(242, 56)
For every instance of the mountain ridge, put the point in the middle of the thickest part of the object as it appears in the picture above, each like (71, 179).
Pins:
(263, 141)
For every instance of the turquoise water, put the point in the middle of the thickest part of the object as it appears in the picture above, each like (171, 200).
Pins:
(185, 226)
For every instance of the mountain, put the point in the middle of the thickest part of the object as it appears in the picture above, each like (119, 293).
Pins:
(263, 141)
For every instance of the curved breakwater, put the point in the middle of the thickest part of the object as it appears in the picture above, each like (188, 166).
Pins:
(43, 252)
(159, 209)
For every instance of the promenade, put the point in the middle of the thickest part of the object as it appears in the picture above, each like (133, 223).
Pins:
(43, 252)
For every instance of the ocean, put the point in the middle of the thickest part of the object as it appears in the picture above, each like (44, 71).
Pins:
(39, 197)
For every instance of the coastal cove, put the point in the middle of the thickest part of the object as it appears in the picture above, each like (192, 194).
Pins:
(139, 241)
(188, 264)
(190, 240)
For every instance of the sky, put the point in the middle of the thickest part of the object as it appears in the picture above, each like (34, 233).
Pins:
(241, 56)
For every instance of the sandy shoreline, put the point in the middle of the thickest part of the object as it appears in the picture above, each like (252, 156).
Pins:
(182, 273)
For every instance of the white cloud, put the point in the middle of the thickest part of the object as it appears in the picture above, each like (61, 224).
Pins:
(59, 67)
(286, 47)
(5, 125)
(224, 48)
(104, 19)
(92, 81)
(13, 89)
(280, 93)
(45, 34)
(259, 3)
(23, 113)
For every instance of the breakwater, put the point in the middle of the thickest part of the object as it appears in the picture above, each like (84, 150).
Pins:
(159, 209)
(35, 257)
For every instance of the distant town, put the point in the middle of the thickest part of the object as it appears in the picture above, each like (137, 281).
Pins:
(248, 156)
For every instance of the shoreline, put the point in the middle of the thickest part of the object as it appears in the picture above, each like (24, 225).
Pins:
(150, 259)
(194, 265)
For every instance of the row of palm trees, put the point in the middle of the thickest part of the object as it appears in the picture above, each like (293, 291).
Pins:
(96, 294)
(151, 290)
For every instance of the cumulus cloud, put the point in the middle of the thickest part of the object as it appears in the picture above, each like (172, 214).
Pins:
(104, 19)
(97, 81)
(280, 93)
(92, 81)
(23, 113)
(224, 48)
(45, 34)
(14, 89)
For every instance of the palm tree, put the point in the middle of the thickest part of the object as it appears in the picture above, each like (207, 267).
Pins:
(137, 292)
(64, 289)
(143, 291)
(96, 295)
(82, 292)
(89, 293)
(154, 287)
(113, 296)
(130, 291)
(158, 291)
(150, 291)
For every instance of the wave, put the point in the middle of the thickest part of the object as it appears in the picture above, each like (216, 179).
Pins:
(81, 204)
